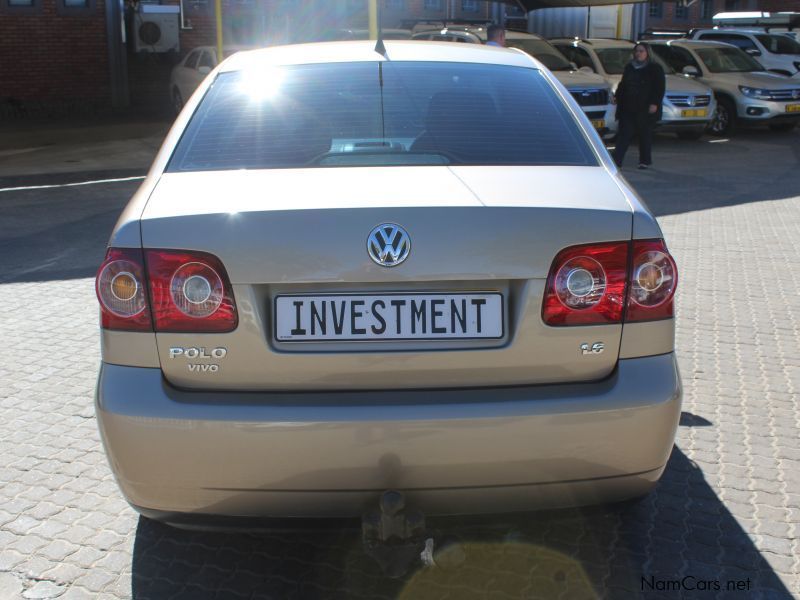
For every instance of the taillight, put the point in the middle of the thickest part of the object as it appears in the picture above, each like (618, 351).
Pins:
(654, 278)
(122, 291)
(190, 291)
(586, 285)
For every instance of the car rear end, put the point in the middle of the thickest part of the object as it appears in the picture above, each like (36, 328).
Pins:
(298, 314)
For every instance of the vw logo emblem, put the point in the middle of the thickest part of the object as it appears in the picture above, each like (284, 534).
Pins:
(692, 100)
(796, 94)
(388, 245)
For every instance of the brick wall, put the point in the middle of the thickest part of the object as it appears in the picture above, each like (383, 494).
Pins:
(779, 5)
(52, 62)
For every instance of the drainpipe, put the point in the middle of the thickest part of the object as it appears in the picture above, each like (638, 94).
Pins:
(117, 62)
(220, 55)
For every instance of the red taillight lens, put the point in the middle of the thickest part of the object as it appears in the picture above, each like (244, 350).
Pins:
(122, 291)
(654, 278)
(190, 291)
(586, 285)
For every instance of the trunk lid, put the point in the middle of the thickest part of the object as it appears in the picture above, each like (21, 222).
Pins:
(472, 230)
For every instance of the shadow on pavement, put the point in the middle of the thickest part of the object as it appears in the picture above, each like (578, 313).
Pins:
(680, 541)
(58, 233)
(754, 166)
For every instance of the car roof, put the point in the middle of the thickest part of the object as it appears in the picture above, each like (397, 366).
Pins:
(448, 31)
(595, 42)
(512, 34)
(691, 43)
(364, 51)
(729, 30)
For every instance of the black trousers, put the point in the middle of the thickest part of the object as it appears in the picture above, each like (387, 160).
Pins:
(630, 124)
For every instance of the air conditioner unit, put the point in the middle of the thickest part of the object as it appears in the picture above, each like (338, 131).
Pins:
(155, 28)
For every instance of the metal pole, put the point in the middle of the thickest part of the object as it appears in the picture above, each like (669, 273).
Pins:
(220, 56)
(373, 19)
(117, 61)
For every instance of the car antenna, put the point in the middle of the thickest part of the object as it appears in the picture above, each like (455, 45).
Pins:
(375, 13)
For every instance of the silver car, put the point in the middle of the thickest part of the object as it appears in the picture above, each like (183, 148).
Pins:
(745, 92)
(688, 105)
(350, 272)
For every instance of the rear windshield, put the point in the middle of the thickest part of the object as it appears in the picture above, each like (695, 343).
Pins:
(381, 114)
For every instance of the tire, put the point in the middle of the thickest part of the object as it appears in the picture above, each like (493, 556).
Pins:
(783, 127)
(724, 121)
(690, 134)
(177, 101)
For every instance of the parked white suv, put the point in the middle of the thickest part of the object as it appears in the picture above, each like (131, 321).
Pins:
(745, 92)
(591, 92)
(777, 52)
(688, 105)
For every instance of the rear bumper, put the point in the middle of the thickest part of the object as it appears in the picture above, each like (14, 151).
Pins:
(179, 453)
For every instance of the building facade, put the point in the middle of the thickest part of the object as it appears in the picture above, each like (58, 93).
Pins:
(68, 56)
(72, 56)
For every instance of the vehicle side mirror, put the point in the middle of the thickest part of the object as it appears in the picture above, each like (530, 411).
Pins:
(691, 71)
(204, 70)
(753, 52)
(586, 69)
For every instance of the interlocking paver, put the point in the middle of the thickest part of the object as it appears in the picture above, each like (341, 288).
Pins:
(728, 505)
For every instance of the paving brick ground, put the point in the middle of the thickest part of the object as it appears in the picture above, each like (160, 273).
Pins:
(726, 510)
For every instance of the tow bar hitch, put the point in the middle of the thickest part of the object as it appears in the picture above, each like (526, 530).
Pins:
(394, 534)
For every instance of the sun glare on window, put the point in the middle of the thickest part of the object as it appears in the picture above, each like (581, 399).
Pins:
(263, 84)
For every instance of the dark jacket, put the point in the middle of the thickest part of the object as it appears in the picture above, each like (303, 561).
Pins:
(640, 88)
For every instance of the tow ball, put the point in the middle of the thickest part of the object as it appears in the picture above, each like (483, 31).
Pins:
(394, 534)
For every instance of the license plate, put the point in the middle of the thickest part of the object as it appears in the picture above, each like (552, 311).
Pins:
(694, 112)
(598, 123)
(793, 108)
(375, 317)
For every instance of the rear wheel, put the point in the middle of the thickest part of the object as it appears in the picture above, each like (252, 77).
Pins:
(690, 134)
(783, 126)
(177, 101)
(724, 121)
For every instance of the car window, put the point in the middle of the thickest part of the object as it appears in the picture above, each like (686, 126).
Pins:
(675, 56)
(614, 59)
(370, 114)
(779, 44)
(582, 58)
(740, 41)
(191, 60)
(727, 60)
(577, 55)
(207, 60)
(542, 51)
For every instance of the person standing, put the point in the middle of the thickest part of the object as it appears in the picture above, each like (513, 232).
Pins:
(496, 36)
(639, 97)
